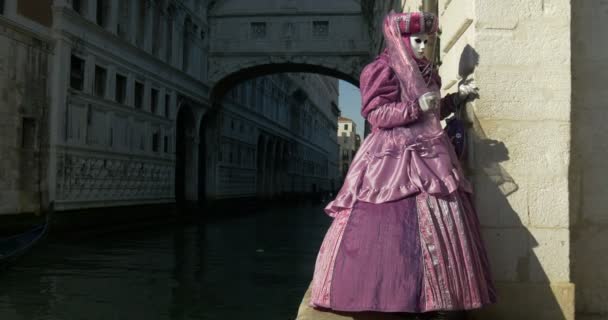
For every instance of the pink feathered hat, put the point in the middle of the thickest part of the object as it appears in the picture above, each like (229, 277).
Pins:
(417, 22)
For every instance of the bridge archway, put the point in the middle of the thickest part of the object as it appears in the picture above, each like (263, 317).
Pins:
(233, 77)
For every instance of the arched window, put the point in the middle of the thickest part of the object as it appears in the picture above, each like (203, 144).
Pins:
(169, 32)
(141, 22)
(187, 44)
(103, 13)
(124, 17)
(156, 25)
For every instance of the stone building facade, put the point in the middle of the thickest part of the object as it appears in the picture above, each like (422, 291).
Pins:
(347, 139)
(290, 120)
(114, 109)
(536, 173)
(24, 115)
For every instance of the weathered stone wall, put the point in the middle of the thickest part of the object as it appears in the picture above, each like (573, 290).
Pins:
(519, 54)
(588, 170)
(23, 120)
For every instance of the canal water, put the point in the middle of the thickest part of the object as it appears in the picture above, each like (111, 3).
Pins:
(251, 266)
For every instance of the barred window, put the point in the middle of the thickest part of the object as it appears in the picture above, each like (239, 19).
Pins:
(320, 28)
(76, 73)
(258, 30)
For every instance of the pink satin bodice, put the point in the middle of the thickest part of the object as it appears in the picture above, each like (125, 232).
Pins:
(407, 151)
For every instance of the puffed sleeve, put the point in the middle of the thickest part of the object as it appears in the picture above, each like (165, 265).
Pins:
(380, 98)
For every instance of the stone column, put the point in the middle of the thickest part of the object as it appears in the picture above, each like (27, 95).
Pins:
(89, 74)
(130, 98)
(111, 82)
(147, 95)
(10, 8)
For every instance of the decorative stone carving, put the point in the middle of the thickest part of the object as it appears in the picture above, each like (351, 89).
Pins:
(96, 178)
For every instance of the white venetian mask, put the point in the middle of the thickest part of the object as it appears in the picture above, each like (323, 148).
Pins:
(418, 43)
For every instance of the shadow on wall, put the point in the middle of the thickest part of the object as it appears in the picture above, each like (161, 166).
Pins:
(524, 290)
(588, 170)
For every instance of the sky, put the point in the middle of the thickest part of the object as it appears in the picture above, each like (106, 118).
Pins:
(350, 104)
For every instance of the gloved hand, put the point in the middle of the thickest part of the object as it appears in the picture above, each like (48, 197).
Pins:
(429, 101)
(467, 90)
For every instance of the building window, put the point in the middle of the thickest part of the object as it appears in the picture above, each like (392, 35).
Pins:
(155, 141)
(76, 73)
(103, 8)
(258, 30)
(169, 35)
(156, 25)
(154, 101)
(346, 127)
(167, 105)
(121, 89)
(124, 19)
(139, 95)
(320, 28)
(187, 43)
(166, 144)
(100, 81)
(141, 24)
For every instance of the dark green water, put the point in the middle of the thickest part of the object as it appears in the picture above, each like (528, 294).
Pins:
(256, 266)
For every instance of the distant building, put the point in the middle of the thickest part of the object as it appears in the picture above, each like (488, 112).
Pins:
(288, 120)
(347, 139)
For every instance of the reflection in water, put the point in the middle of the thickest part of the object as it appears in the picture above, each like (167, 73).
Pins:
(257, 266)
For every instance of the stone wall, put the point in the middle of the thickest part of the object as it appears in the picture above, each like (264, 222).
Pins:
(588, 170)
(23, 119)
(519, 54)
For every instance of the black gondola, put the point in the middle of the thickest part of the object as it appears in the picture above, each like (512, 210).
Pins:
(15, 246)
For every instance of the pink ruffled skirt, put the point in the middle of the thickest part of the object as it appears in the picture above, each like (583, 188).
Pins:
(417, 254)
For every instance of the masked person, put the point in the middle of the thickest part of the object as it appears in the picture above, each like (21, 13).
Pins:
(405, 235)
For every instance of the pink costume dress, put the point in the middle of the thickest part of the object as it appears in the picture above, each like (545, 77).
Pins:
(405, 235)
